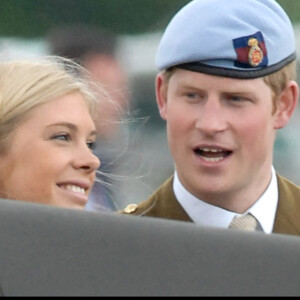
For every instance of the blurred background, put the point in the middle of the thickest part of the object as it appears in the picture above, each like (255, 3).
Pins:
(139, 153)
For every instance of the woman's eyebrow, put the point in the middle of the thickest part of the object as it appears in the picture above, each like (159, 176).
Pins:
(65, 124)
(71, 126)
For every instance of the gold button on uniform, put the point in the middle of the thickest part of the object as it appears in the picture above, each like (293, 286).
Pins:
(130, 208)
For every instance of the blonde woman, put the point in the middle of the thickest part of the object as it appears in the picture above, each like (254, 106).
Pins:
(47, 132)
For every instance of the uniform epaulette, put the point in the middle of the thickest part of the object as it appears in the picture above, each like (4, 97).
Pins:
(130, 208)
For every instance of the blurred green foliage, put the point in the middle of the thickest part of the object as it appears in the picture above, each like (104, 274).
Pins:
(292, 8)
(33, 18)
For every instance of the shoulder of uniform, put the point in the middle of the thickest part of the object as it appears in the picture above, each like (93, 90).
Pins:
(138, 209)
(130, 208)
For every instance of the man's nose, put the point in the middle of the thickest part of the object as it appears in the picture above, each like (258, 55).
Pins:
(212, 116)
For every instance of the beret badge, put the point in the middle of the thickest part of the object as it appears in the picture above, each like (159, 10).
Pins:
(251, 51)
(255, 55)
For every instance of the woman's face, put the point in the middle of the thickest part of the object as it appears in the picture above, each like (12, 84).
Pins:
(50, 159)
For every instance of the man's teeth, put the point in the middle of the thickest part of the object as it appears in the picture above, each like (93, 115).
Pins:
(212, 154)
(75, 188)
(211, 150)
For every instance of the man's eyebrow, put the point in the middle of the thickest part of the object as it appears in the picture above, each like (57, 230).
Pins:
(71, 126)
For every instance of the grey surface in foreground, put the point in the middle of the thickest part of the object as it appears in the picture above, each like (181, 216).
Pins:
(48, 251)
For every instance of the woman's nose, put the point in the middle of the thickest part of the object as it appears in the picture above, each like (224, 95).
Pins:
(87, 160)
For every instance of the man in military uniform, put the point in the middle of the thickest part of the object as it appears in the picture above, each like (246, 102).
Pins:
(226, 85)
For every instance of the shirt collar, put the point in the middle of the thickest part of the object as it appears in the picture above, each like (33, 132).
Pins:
(203, 213)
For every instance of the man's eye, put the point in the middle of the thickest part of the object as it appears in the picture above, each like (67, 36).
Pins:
(191, 95)
(235, 98)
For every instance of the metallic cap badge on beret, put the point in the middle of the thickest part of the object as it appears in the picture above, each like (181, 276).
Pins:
(232, 38)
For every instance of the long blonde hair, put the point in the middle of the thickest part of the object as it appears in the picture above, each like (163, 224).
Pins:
(24, 84)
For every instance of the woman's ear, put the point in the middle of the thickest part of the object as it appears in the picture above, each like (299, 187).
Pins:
(286, 105)
(161, 95)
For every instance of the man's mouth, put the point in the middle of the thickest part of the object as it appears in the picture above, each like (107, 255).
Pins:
(211, 154)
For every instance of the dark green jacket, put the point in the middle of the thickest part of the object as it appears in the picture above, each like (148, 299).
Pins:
(163, 204)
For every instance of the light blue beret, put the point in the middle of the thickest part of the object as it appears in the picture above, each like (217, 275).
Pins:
(231, 38)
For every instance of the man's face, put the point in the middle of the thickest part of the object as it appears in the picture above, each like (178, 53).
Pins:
(221, 133)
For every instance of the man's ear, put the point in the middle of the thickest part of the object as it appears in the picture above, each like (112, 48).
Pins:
(161, 95)
(286, 105)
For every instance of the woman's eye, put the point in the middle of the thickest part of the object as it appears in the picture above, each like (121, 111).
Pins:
(91, 145)
(61, 137)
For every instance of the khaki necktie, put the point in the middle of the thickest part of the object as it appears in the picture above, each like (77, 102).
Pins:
(246, 223)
